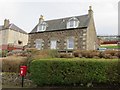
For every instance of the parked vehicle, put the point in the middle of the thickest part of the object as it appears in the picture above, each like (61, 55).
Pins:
(102, 49)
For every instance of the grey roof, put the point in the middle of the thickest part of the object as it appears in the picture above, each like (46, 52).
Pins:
(13, 27)
(60, 24)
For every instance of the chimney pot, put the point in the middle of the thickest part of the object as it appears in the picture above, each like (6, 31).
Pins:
(90, 11)
(41, 19)
(90, 7)
(6, 23)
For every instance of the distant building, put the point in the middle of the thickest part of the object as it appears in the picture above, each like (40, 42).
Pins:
(109, 39)
(71, 33)
(12, 37)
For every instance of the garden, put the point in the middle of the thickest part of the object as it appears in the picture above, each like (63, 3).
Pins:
(49, 68)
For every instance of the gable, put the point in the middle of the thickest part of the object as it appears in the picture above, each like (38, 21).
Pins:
(13, 27)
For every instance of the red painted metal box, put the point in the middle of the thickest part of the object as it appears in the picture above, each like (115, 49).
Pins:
(23, 70)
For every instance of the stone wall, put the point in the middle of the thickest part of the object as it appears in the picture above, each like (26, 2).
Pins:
(92, 43)
(61, 37)
(14, 80)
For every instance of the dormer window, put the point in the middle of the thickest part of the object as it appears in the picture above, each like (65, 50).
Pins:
(42, 27)
(73, 23)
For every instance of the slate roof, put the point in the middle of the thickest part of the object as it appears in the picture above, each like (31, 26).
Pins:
(13, 27)
(60, 24)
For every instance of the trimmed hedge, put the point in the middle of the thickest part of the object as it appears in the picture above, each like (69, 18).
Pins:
(74, 72)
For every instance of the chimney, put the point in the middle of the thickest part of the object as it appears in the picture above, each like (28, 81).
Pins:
(41, 19)
(90, 11)
(6, 23)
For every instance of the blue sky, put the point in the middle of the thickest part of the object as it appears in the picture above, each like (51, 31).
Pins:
(25, 14)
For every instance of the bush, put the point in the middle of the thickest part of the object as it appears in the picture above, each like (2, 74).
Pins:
(111, 52)
(66, 55)
(53, 53)
(86, 53)
(19, 53)
(108, 54)
(38, 54)
(3, 53)
(73, 72)
(12, 63)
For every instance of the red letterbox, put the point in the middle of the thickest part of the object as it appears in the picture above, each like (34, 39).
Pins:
(23, 70)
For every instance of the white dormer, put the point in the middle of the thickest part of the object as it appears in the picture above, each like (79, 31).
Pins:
(73, 23)
(41, 26)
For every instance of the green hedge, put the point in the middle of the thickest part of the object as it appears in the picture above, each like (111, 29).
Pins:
(75, 71)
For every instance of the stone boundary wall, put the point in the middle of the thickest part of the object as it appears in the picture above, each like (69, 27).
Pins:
(15, 80)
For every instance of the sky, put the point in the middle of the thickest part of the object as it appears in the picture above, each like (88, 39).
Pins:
(25, 13)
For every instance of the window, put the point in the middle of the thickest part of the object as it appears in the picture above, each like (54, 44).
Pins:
(38, 44)
(19, 42)
(53, 44)
(70, 43)
(42, 26)
(73, 23)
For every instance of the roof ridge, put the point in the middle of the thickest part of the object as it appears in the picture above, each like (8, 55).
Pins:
(17, 28)
(65, 18)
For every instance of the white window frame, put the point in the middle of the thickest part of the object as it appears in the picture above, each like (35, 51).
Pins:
(53, 44)
(38, 44)
(69, 42)
(73, 23)
(41, 27)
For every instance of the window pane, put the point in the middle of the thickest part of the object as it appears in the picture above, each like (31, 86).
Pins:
(70, 43)
(75, 23)
(38, 44)
(42, 27)
(71, 23)
(53, 44)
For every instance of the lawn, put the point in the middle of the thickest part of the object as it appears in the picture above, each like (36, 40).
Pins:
(111, 47)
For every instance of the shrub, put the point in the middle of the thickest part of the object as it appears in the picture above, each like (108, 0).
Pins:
(76, 53)
(108, 54)
(117, 54)
(73, 72)
(3, 53)
(86, 53)
(19, 53)
(111, 52)
(53, 53)
(12, 63)
(66, 55)
(38, 54)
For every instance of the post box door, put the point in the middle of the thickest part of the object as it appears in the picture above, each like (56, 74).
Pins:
(23, 70)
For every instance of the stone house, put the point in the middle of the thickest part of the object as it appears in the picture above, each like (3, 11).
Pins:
(71, 33)
(12, 37)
